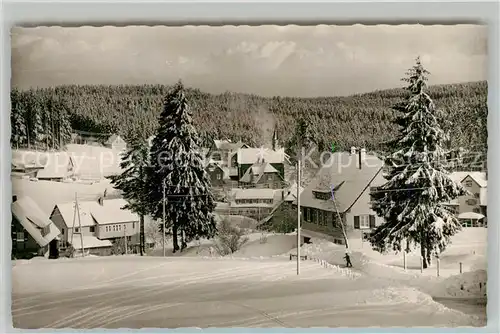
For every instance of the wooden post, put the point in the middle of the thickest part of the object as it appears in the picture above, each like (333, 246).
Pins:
(404, 260)
(421, 264)
(125, 236)
(437, 266)
(460, 267)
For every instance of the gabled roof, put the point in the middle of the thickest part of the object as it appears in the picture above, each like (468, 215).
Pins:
(478, 177)
(55, 165)
(91, 212)
(342, 171)
(247, 156)
(256, 171)
(228, 145)
(31, 217)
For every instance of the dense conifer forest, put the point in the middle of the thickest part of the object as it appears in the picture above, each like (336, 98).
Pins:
(46, 117)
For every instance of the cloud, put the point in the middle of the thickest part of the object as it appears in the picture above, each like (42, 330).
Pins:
(265, 60)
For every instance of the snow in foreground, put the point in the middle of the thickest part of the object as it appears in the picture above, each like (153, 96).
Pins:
(215, 293)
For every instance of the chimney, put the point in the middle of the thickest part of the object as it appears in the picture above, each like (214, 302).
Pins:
(353, 150)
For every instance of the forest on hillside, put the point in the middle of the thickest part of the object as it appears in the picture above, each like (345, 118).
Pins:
(46, 117)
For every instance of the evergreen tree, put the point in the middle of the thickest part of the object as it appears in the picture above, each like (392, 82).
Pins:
(132, 181)
(177, 163)
(412, 200)
(302, 138)
(17, 119)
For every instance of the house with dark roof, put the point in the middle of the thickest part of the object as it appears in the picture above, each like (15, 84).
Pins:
(349, 176)
(253, 203)
(32, 232)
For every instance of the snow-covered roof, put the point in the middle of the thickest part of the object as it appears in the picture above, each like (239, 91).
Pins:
(342, 171)
(114, 138)
(470, 215)
(247, 156)
(227, 145)
(254, 194)
(34, 221)
(292, 193)
(110, 212)
(55, 165)
(478, 177)
(89, 241)
(256, 171)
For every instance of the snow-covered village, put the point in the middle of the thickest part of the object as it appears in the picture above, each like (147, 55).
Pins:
(208, 177)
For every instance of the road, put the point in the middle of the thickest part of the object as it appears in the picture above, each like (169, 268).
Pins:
(170, 293)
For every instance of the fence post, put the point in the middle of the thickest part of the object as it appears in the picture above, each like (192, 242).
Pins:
(437, 263)
(421, 264)
(404, 260)
(460, 267)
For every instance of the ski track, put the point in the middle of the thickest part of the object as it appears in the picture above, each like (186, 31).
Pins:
(97, 310)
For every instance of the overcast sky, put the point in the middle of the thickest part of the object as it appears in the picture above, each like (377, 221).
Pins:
(267, 60)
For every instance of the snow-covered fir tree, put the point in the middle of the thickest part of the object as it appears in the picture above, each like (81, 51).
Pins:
(412, 202)
(19, 130)
(177, 162)
(132, 181)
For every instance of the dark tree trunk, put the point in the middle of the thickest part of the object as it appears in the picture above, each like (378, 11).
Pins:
(423, 250)
(141, 235)
(174, 238)
(183, 241)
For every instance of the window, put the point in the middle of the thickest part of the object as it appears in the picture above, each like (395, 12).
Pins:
(476, 210)
(219, 176)
(364, 221)
(92, 229)
(77, 230)
(476, 195)
(468, 183)
(20, 236)
(270, 177)
(308, 214)
(62, 231)
(133, 226)
(471, 201)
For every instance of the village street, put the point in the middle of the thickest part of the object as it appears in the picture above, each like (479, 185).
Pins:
(133, 292)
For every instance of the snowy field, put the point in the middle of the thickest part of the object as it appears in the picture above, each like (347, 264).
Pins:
(199, 292)
(255, 287)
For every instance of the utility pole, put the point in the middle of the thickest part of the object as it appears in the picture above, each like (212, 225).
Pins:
(298, 217)
(77, 212)
(125, 237)
(164, 218)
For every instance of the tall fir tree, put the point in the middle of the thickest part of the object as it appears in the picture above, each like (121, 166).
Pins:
(176, 162)
(412, 201)
(19, 135)
(132, 181)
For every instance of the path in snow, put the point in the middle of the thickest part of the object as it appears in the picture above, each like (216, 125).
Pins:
(132, 292)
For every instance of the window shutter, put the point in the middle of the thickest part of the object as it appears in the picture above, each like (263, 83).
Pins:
(372, 221)
(356, 222)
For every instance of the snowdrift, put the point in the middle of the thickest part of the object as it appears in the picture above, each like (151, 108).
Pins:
(466, 285)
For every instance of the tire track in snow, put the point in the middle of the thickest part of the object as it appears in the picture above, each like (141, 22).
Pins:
(154, 292)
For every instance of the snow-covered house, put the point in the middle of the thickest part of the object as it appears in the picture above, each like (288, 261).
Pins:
(116, 143)
(56, 166)
(254, 203)
(471, 209)
(262, 175)
(245, 158)
(216, 174)
(351, 177)
(221, 151)
(102, 222)
(32, 232)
